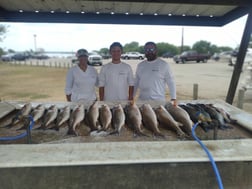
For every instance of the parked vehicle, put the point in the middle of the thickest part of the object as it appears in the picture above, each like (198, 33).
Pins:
(168, 55)
(95, 59)
(20, 56)
(191, 56)
(40, 56)
(247, 59)
(223, 56)
(7, 57)
(106, 56)
(133, 55)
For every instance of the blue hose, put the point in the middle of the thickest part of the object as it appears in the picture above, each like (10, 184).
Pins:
(20, 135)
(216, 171)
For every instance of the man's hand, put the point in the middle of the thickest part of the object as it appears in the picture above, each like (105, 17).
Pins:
(174, 102)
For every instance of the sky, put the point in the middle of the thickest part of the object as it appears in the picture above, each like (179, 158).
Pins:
(71, 37)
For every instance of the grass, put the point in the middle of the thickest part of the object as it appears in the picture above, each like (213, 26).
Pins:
(32, 83)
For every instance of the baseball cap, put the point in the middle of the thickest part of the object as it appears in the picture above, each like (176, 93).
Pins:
(82, 52)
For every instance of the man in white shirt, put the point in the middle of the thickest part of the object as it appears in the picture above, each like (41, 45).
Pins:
(152, 76)
(116, 81)
(81, 80)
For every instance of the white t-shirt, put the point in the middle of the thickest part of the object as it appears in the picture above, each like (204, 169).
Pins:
(116, 79)
(152, 78)
(80, 84)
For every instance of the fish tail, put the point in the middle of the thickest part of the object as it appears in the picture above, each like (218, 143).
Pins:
(158, 134)
(140, 133)
(116, 132)
(71, 132)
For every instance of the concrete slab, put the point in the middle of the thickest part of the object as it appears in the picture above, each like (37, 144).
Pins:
(122, 153)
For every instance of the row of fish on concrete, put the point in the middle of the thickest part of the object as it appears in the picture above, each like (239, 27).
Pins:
(102, 118)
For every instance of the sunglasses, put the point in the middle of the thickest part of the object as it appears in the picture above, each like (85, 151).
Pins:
(150, 50)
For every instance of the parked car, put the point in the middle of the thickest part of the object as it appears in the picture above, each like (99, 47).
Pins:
(168, 55)
(191, 56)
(7, 57)
(95, 59)
(106, 56)
(20, 56)
(247, 59)
(225, 55)
(40, 56)
(133, 55)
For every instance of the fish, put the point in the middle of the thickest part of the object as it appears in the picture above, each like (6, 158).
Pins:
(149, 119)
(134, 118)
(165, 118)
(207, 117)
(226, 115)
(50, 117)
(38, 112)
(180, 115)
(63, 116)
(118, 119)
(215, 115)
(193, 113)
(196, 116)
(92, 116)
(76, 118)
(25, 111)
(105, 116)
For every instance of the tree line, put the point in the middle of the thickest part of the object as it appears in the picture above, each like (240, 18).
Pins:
(201, 46)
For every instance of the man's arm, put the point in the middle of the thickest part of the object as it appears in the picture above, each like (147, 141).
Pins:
(131, 92)
(68, 97)
(101, 93)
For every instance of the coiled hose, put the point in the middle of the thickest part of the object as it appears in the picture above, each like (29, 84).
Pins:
(20, 135)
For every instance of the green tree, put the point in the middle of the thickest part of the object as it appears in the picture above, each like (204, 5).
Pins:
(202, 46)
(166, 47)
(3, 30)
(185, 48)
(214, 49)
(225, 48)
(132, 46)
(104, 51)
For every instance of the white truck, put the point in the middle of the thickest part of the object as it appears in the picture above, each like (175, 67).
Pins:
(93, 59)
(133, 55)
